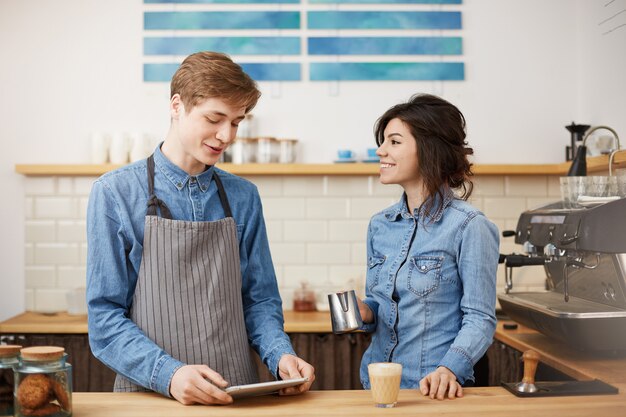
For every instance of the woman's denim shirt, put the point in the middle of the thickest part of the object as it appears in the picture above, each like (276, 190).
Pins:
(431, 283)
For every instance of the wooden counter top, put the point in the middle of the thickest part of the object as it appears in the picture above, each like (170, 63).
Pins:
(594, 164)
(493, 401)
(63, 323)
(59, 323)
(575, 363)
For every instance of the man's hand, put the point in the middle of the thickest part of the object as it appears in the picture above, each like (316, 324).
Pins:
(439, 382)
(290, 367)
(199, 384)
(365, 311)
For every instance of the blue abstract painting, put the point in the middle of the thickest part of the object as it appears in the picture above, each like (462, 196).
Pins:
(221, 1)
(258, 32)
(383, 20)
(258, 71)
(385, 1)
(221, 20)
(388, 71)
(385, 46)
(240, 45)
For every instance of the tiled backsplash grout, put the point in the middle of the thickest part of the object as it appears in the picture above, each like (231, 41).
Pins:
(317, 227)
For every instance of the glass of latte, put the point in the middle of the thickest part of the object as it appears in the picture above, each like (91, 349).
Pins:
(385, 382)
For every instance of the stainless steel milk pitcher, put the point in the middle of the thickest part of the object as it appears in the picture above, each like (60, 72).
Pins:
(344, 312)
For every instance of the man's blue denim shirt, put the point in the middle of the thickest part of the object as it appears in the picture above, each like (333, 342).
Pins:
(431, 283)
(115, 225)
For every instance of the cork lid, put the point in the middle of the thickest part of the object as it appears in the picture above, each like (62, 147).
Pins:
(42, 353)
(6, 351)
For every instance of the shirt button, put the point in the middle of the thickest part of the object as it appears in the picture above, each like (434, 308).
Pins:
(423, 268)
(193, 180)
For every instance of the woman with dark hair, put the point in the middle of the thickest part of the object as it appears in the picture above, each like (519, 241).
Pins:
(432, 257)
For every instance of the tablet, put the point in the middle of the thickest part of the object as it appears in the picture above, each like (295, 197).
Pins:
(262, 388)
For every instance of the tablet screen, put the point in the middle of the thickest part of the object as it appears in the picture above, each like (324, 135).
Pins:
(262, 388)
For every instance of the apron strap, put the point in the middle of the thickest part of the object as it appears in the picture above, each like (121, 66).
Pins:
(222, 194)
(153, 201)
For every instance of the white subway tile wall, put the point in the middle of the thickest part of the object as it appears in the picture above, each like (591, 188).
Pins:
(316, 226)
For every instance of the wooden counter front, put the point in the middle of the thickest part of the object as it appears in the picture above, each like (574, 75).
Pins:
(494, 401)
(63, 323)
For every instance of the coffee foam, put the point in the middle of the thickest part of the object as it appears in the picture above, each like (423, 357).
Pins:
(384, 369)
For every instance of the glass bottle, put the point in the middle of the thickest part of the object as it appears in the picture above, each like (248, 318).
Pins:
(8, 360)
(43, 383)
(304, 299)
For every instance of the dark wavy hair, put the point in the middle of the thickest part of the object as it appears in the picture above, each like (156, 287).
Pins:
(439, 130)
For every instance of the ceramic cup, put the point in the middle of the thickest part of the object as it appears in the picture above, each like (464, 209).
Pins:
(345, 154)
(100, 143)
(118, 152)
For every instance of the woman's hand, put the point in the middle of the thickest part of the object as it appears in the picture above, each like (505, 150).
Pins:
(440, 382)
(366, 312)
(199, 384)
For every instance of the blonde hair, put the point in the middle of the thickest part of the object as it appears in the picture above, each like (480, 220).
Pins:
(207, 74)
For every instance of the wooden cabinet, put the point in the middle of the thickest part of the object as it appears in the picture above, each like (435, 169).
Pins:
(336, 359)
(88, 373)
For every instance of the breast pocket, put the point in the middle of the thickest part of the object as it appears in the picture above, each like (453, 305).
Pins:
(374, 265)
(424, 274)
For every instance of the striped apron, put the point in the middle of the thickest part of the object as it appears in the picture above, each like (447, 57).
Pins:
(188, 294)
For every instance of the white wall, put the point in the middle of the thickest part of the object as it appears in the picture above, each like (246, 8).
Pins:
(601, 63)
(70, 67)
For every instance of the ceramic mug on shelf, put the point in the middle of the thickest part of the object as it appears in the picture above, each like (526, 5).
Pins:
(118, 151)
(100, 143)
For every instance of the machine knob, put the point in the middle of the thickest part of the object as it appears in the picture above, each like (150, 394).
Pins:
(550, 250)
(530, 249)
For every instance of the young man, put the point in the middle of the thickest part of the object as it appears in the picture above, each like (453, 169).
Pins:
(179, 273)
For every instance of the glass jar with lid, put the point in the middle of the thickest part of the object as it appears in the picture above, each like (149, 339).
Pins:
(267, 150)
(43, 383)
(304, 298)
(287, 150)
(8, 360)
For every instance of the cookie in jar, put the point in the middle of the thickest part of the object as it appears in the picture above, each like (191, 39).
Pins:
(43, 383)
(8, 360)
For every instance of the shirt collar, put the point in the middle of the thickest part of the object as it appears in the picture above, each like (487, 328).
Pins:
(177, 176)
(401, 208)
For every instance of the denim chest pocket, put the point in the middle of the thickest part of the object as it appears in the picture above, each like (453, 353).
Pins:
(240, 232)
(424, 275)
(374, 265)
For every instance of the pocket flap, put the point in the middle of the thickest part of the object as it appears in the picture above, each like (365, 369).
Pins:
(375, 260)
(425, 264)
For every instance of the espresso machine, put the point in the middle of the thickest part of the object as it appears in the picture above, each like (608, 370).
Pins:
(583, 251)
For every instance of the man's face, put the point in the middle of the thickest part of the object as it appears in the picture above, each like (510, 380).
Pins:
(206, 130)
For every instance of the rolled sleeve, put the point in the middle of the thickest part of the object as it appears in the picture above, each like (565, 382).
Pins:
(163, 373)
(373, 305)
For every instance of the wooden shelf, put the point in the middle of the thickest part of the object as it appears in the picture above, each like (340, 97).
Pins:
(594, 164)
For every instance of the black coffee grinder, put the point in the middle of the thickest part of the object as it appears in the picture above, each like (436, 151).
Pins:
(577, 133)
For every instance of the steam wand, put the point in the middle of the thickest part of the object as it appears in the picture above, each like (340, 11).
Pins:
(576, 264)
